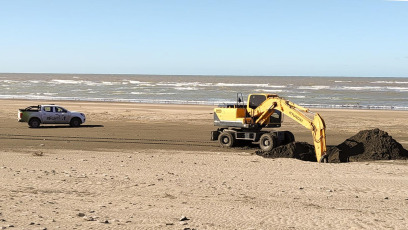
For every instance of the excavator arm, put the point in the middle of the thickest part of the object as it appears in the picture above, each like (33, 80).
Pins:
(297, 113)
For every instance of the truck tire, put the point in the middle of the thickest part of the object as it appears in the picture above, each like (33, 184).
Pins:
(34, 123)
(267, 142)
(75, 122)
(226, 139)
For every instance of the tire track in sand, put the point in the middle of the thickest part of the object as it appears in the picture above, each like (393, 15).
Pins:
(108, 140)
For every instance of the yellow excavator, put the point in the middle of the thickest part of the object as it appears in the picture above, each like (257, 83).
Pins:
(242, 123)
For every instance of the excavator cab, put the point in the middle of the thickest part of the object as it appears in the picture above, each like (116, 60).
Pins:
(255, 100)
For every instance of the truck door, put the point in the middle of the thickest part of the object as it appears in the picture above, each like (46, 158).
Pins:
(50, 115)
(63, 116)
(47, 114)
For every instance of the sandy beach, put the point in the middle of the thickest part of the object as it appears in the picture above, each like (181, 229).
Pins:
(144, 166)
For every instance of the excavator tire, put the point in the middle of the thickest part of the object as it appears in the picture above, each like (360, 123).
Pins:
(267, 142)
(289, 137)
(226, 139)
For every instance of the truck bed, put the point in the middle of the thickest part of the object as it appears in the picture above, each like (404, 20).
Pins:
(34, 108)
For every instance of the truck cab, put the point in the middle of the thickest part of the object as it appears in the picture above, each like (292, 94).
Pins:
(54, 114)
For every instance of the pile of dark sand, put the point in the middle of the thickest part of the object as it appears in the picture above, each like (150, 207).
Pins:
(367, 145)
(299, 150)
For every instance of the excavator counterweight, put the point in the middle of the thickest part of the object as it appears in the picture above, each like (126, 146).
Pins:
(245, 123)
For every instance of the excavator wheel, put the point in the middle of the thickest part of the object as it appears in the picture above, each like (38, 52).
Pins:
(226, 139)
(289, 137)
(267, 142)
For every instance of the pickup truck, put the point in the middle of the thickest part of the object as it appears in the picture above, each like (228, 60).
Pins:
(49, 114)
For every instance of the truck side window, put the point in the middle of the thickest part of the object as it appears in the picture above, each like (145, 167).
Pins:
(60, 110)
(48, 109)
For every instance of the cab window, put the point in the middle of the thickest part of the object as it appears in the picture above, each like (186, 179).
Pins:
(256, 100)
(276, 117)
(60, 110)
(48, 109)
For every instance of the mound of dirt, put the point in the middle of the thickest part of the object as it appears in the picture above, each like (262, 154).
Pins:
(299, 150)
(367, 145)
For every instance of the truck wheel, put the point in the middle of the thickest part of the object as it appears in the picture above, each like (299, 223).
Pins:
(267, 142)
(226, 139)
(34, 123)
(75, 122)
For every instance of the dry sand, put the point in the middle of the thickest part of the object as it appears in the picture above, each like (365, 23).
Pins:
(140, 166)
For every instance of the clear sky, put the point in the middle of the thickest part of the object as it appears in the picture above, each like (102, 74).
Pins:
(208, 37)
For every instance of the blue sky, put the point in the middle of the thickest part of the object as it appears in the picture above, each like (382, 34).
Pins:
(220, 37)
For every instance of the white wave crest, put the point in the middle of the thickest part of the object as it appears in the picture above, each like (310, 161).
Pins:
(296, 96)
(315, 87)
(360, 88)
(181, 84)
(186, 88)
(389, 82)
(401, 89)
(249, 85)
(269, 90)
(138, 82)
(59, 81)
(342, 81)
(110, 83)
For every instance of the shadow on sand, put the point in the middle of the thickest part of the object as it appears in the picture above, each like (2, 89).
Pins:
(69, 127)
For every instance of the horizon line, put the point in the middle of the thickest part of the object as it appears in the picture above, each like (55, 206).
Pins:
(203, 75)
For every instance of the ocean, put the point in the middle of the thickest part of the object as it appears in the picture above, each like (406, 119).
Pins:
(311, 92)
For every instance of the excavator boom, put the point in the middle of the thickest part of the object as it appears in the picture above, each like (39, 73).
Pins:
(299, 114)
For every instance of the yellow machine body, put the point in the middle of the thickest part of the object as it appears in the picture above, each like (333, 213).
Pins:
(264, 110)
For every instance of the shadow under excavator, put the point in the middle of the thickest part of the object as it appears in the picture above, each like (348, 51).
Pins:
(69, 127)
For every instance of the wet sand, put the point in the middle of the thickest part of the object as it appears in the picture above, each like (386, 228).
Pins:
(143, 166)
